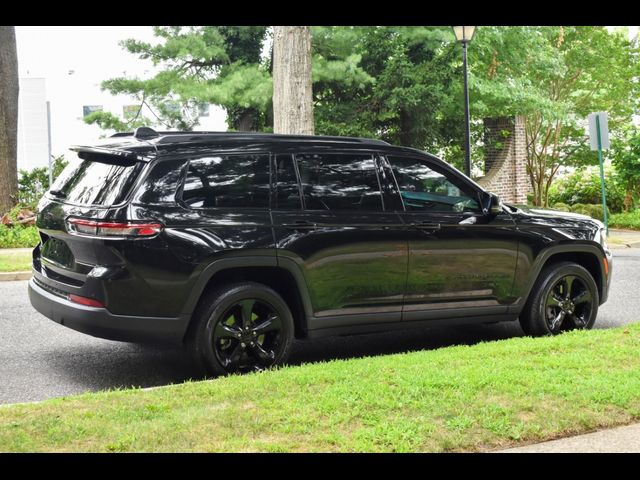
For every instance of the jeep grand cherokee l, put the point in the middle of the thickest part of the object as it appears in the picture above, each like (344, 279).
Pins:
(234, 244)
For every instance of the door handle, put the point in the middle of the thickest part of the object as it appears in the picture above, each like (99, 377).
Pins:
(300, 224)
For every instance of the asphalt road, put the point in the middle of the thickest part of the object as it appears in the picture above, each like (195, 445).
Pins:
(40, 359)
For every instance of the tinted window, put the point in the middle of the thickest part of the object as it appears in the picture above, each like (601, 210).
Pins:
(339, 182)
(423, 188)
(227, 181)
(88, 182)
(287, 189)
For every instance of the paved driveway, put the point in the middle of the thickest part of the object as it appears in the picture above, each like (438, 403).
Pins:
(40, 359)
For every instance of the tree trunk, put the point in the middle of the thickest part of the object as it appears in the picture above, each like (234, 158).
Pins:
(292, 94)
(8, 118)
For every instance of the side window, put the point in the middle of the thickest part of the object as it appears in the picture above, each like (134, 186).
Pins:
(423, 188)
(287, 189)
(339, 182)
(227, 181)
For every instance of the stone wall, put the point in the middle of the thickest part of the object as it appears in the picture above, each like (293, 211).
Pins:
(506, 159)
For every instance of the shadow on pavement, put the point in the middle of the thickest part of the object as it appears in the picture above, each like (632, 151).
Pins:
(113, 365)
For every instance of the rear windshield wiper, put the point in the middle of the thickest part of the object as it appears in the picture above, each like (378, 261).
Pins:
(58, 193)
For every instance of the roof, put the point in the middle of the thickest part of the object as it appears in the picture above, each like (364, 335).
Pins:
(145, 142)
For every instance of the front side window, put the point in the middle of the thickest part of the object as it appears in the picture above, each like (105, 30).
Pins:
(227, 181)
(339, 182)
(423, 188)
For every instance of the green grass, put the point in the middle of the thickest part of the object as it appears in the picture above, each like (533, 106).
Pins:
(15, 261)
(629, 220)
(479, 397)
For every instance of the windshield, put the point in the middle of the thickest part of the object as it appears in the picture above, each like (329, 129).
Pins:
(90, 182)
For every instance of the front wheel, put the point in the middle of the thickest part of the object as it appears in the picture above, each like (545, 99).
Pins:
(240, 328)
(565, 297)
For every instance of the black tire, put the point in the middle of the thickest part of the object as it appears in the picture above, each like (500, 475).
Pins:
(222, 342)
(564, 297)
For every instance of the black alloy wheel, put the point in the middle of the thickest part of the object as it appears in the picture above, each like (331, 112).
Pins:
(247, 336)
(564, 297)
(569, 304)
(240, 328)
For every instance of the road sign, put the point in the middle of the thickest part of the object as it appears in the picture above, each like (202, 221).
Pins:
(594, 118)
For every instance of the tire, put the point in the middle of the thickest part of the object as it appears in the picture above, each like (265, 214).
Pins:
(222, 342)
(564, 297)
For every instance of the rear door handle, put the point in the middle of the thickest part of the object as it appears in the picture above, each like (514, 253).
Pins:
(301, 224)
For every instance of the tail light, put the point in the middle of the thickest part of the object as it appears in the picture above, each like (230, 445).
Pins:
(98, 228)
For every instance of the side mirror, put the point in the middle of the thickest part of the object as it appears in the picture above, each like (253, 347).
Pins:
(492, 204)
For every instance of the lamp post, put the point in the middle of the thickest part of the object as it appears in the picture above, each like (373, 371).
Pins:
(464, 35)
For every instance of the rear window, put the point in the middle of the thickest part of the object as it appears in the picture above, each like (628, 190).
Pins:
(91, 182)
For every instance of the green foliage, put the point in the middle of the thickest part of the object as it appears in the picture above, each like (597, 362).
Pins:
(626, 159)
(209, 64)
(109, 121)
(33, 184)
(583, 186)
(18, 236)
(630, 220)
(563, 207)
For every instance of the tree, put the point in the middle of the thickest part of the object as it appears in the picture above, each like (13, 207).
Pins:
(220, 65)
(292, 98)
(9, 88)
(555, 76)
(626, 160)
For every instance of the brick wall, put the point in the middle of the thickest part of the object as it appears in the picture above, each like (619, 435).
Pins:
(506, 159)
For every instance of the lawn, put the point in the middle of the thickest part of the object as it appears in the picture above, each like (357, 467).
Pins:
(470, 398)
(15, 260)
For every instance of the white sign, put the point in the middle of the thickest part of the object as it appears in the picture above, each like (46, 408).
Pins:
(604, 131)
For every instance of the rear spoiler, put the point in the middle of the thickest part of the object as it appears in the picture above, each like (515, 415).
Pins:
(106, 155)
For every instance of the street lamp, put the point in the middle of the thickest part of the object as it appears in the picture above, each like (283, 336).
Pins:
(464, 35)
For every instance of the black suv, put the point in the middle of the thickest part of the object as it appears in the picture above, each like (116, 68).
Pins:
(236, 243)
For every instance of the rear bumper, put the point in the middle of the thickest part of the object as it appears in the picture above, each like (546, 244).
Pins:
(99, 322)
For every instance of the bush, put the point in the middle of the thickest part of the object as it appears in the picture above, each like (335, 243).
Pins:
(18, 236)
(563, 207)
(33, 184)
(626, 220)
(583, 186)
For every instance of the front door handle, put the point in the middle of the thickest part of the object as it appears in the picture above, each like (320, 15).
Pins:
(301, 224)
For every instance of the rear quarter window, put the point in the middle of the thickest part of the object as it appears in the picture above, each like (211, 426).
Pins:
(103, 183)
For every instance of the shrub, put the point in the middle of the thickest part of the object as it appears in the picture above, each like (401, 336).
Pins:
(33, 184)
(18, 236)
(626, 220)
(563, 207)
(596, 211)
(583, 186)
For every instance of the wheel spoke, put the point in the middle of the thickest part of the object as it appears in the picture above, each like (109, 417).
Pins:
(243, 312)
(552, 300)
(578, 321)
(225, 331)
(264, 356)
(271, 323)
(583, 297)
(568, 283)
(232, 362)
(557, 320)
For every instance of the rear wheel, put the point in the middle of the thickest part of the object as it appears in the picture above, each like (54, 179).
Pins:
(240, 328)
(565, 297)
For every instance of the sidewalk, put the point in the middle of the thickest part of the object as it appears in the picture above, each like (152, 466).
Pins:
(623, 238)
(616, 440)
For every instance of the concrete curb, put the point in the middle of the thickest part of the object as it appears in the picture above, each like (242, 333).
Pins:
(14, 276)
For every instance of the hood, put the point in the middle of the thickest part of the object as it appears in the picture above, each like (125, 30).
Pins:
(571, 225)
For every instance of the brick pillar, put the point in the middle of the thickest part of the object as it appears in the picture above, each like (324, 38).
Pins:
(506, 159)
